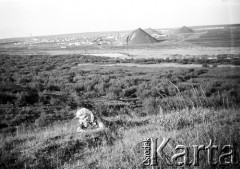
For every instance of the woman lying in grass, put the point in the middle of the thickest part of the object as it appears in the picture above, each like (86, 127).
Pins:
(88, 122)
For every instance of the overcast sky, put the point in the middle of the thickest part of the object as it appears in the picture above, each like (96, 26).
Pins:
(48, 17)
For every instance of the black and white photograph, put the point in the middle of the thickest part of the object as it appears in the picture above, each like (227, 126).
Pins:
(119, 84)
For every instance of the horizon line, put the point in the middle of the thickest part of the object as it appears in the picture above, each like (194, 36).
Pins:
(19, 37)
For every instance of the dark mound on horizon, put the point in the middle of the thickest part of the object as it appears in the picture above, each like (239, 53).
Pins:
(152, 32)
(185, 29)
(139, 36)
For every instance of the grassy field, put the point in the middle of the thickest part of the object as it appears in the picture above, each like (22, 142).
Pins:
(40, 94)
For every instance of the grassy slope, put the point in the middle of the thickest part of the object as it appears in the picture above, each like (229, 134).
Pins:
(60, 145)
(52, 146)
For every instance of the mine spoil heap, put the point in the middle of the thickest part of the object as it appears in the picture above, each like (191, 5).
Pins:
(152, 31)
(139, 36)
(185, 29)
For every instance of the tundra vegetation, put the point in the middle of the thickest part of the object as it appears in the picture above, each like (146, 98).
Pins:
(40, 93)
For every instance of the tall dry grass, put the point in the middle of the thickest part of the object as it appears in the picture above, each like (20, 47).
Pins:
(60, 146)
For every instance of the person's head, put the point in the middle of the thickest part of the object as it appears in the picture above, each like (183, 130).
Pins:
(84, 116)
